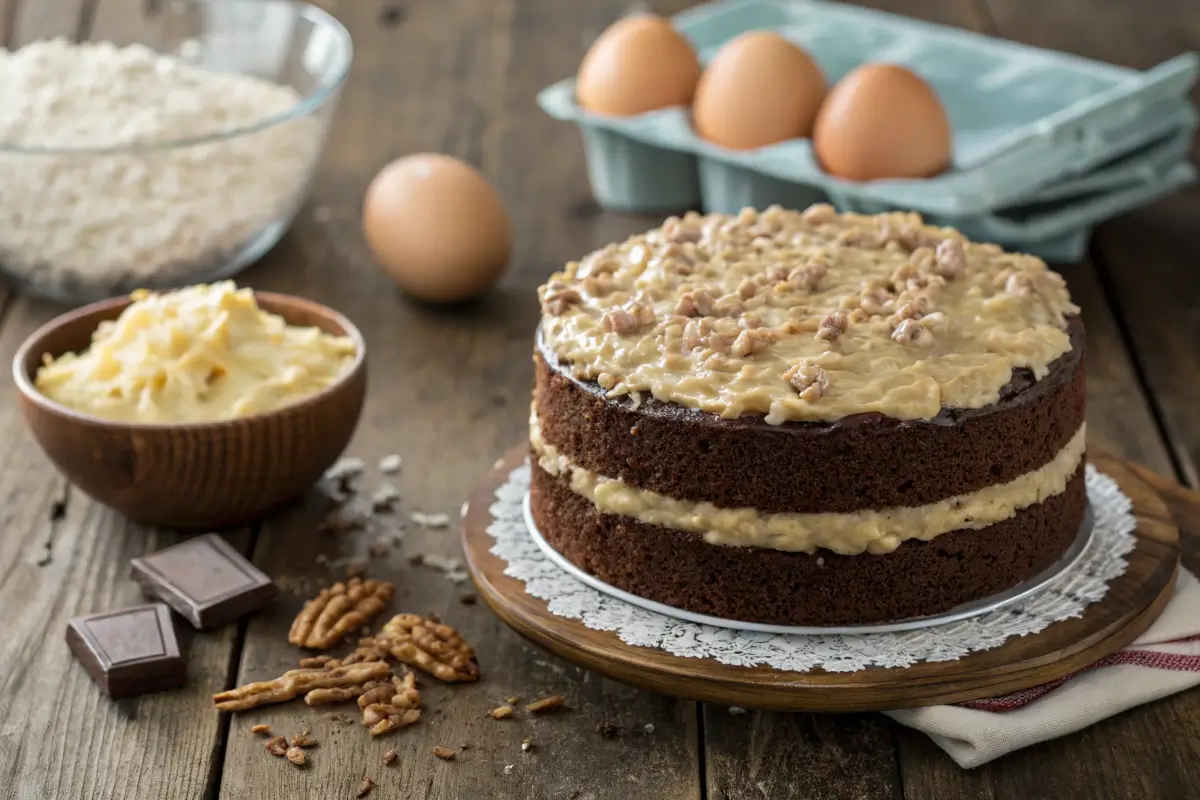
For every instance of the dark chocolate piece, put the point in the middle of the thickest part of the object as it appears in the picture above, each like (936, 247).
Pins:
(129, 652)
(205, 580)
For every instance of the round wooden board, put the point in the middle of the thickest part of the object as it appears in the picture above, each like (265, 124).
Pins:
(1133, 601)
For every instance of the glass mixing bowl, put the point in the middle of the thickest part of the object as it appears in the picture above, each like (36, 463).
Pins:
(203, 196)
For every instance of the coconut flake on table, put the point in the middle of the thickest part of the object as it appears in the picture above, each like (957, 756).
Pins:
(438, 520)
(390, 465)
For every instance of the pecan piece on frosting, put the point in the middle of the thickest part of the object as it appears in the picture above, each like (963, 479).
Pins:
(695, 304)
(833, 326)
(557, 297)
(818, 214)
(951, 258)
(809, 380)
(911, 331)
(808, 276)
(750, 341)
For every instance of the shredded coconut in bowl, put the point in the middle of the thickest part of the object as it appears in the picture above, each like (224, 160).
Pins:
(78, 225)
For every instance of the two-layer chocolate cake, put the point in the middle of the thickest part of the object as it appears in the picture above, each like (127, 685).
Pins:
(808, 418)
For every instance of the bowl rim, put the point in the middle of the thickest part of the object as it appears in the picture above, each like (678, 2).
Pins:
(308, 104)
(30, 392)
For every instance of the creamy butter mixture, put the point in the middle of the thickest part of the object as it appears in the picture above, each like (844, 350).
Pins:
(850, 533)
(199, 354)
(806, 315)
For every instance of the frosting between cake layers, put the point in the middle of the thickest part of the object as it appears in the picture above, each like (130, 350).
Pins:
(874, 531)
(806, 316)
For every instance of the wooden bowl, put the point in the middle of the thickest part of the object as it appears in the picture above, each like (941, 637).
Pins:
(193, 475)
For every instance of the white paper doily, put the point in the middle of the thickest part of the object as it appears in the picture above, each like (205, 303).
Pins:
(1067, 597)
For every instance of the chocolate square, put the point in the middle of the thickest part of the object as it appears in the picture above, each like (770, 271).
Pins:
(205, 580)
(129, 652)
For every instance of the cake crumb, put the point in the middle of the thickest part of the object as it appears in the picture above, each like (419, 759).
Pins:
(444, 753)
(390, 757)
(609, 729)
(736, 710)
(263, 729)
(546, 704)
(385, 498)
(365, 787)
(390, 464)
(296, 756)
(501, 712)
(304, 739)
(512, 701)
(277, 746)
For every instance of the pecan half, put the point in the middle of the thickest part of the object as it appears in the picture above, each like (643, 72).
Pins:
(833, 326)
(430, 646)
(338, 610)
(951, 258)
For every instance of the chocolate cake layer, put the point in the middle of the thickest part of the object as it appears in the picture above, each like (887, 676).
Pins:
(771, 586)
(868, 461)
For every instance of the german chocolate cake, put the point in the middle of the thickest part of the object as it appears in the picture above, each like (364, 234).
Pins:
(807, 418)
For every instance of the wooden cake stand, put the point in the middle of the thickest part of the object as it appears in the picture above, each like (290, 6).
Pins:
(1133, 601)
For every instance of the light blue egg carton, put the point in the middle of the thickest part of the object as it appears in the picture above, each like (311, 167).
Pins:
(1033, 129)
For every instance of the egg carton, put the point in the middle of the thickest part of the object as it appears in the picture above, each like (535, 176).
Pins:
(1024, 119)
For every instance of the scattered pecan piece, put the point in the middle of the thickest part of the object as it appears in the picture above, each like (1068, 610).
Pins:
(390, 757)
(263, 729)
(876, 300)
(809, 380)
(749, 342)
(296, 682)
(277, 746)
(546, 704)
(429, 646)
(833, 326)
(391, 706)
(951, 258)
(365, 787)
(501, 712)
(304, 739)
(296, 756)
(444, 753)
(913, 309)
(338, 610)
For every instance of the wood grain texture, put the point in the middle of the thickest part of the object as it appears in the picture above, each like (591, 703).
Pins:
(62, 555)
(449, 392)
(1132, 602)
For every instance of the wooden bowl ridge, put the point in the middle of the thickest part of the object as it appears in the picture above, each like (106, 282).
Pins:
(193, 475)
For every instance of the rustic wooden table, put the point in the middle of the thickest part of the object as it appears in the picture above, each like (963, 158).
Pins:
(449, 392)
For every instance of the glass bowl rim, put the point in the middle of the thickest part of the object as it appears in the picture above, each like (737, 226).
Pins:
(307, 105)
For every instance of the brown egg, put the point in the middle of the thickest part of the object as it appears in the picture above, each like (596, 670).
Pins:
(437, 227)
(640, 63)
(760, 89)
(882, 121)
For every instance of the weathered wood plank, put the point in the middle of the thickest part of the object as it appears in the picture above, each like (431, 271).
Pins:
(449, 391)
(63, 555)
(1127, 756)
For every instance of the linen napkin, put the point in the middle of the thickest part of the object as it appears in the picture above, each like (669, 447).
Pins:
(1164, 660)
